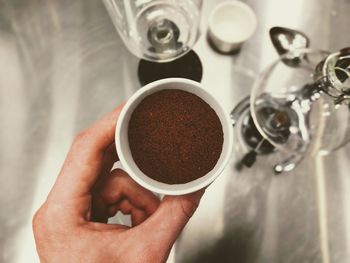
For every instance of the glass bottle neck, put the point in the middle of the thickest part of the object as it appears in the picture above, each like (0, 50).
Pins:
(332, 76)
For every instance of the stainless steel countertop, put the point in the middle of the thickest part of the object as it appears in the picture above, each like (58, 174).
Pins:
(63, 66)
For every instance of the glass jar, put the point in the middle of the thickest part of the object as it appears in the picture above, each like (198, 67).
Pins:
(156, 30)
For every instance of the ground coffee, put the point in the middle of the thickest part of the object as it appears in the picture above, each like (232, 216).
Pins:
(175, 137)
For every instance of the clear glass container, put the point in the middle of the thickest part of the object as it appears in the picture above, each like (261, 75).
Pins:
(156, 30)
(300, 108)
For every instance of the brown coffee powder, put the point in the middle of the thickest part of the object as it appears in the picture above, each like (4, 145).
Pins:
(175, 137)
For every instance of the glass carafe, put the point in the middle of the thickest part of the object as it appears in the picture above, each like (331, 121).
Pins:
(298, 109)
(156, 30)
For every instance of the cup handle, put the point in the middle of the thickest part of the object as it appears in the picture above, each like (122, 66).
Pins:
(117, 165)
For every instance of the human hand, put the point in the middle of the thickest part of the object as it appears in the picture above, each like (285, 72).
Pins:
(71, 226)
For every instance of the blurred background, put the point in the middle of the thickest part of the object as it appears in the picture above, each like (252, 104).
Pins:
(63, 65)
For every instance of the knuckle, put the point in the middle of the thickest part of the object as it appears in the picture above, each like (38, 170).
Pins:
(39, 219)
(188, 207)
(80, 137)
(119, 173)
(36, 219)
(45, 221)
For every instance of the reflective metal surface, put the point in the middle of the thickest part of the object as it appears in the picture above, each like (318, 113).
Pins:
(287, 40)
(63, 66)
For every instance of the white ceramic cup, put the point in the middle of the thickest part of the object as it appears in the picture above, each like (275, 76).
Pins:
(231, 23)
(122, 142)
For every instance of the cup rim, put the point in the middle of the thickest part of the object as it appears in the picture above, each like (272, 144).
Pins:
(233, 3)
(227, 140)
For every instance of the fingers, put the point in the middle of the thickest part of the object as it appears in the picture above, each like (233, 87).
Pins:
(137, 215)
(85, 158)
(112, 210)
(166, 224)
(99, 211)
(118, 192)
(109, 159)
(119, 186)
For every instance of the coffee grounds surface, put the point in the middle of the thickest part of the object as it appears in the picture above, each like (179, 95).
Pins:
(175, 137)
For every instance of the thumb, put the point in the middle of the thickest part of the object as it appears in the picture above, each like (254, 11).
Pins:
(166, 223)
